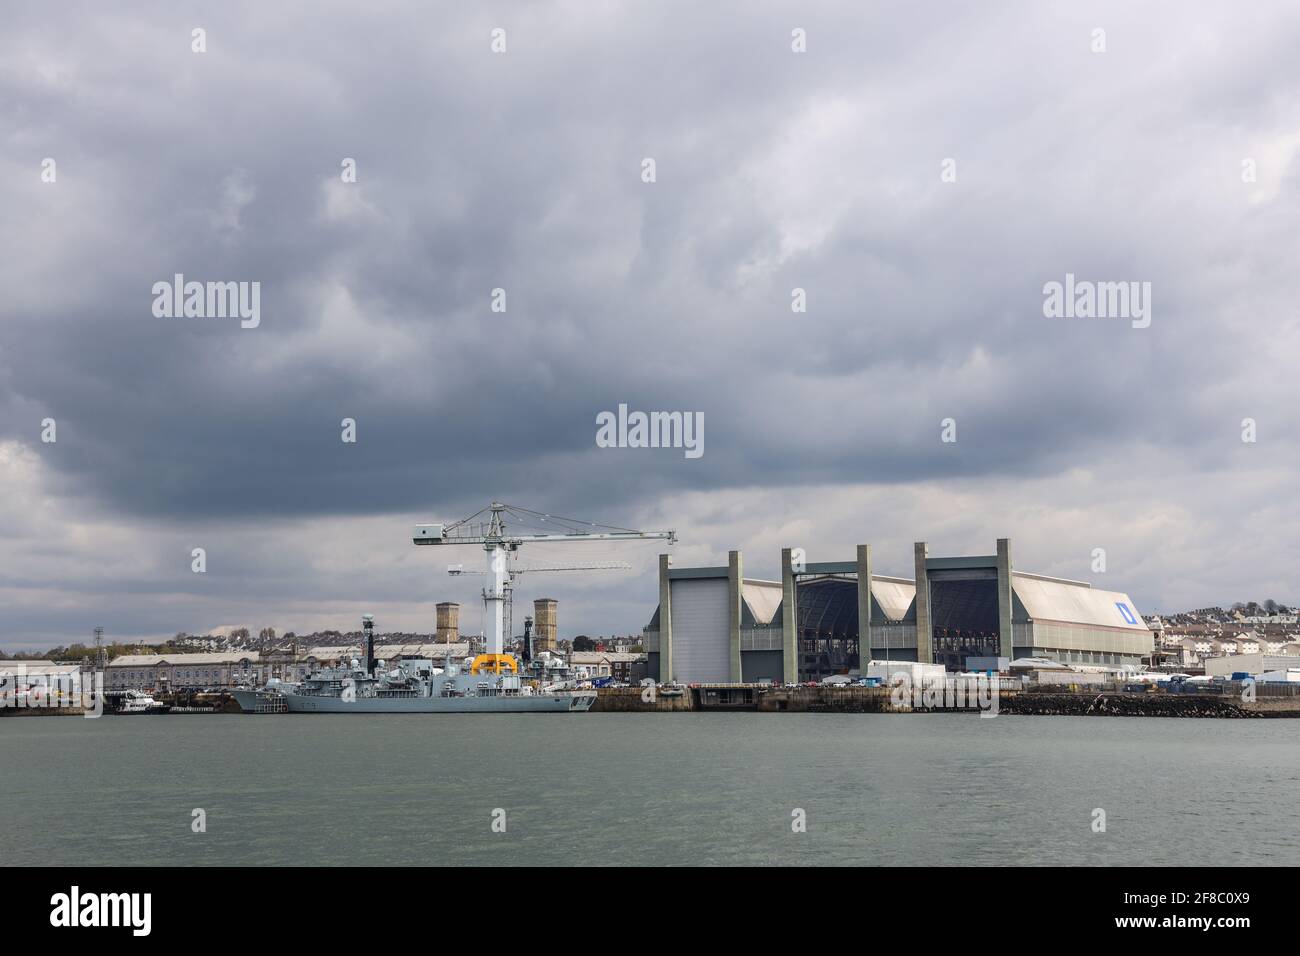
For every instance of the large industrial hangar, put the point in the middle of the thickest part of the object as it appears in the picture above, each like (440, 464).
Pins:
(714, 625)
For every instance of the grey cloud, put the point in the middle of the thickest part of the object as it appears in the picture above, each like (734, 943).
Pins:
(522, 171)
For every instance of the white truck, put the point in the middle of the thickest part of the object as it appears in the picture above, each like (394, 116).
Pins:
(891, 672)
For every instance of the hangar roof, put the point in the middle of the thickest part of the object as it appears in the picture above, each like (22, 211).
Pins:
(38, 668)
(200, 659)
(1045, 599)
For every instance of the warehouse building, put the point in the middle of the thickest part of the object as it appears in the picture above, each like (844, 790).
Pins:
(625, 668)
(714, 625)
(172, 671)
(40, 683)
(1253, 664)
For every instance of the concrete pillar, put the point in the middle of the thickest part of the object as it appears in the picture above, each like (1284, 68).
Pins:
(735, 585)
(864, 606)
(665, 620)
(1004, 598)
(924, 638)
(789, 617)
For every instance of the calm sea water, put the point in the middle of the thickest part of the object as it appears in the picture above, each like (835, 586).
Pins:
(601, 789)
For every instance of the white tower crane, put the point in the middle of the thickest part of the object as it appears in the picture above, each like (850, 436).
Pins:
(497, 543)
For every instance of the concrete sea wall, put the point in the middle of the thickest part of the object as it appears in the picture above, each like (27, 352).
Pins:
(628, 699)
(881, 700)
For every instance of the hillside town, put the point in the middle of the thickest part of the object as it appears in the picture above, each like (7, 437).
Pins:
(1188, 639)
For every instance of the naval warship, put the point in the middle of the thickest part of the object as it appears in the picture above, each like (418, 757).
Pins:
(489, 683)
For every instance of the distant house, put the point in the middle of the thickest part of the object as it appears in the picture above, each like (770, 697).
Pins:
(1248, 643)
(1196, 649)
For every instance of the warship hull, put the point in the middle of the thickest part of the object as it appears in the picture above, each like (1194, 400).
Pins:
(576, 702)
(541, 703)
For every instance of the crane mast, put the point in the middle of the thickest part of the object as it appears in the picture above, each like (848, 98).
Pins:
(456, 570)
(498, 543)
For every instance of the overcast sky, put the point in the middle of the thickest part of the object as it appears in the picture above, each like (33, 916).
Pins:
(1169, 158)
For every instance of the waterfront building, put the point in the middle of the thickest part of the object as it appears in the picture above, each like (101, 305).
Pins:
(47, 681)
(714, 625)
(173, 671)
(1254, 664)
(625, 668)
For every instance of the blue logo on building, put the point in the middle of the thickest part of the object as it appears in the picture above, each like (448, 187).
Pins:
(1124, 610)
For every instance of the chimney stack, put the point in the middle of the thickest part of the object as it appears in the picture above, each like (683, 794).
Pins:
(448, 623)
(544, 621)
(368, 626)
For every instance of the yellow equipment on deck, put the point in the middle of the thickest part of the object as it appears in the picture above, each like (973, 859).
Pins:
(494, 664)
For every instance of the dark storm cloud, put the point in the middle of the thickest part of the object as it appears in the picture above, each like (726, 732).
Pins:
(521, 171)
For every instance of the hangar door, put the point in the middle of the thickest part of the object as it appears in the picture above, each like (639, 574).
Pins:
(700, 631)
